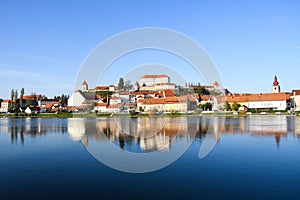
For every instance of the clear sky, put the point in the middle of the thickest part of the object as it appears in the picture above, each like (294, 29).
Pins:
(43, 43)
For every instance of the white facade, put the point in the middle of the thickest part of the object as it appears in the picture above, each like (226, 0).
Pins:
(76, 99)
(115, 100)
(166, 86)
(101, 108)
(28, 110)
(163, 107)
(276, 105)
(150, 80)
(5, 105)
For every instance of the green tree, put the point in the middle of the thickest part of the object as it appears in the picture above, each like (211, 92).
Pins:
(206, 106)
(121, 83)
(12, 97)
(16, 97)
(128, 85)
(227, 106)
(235, 106)
(21, 97)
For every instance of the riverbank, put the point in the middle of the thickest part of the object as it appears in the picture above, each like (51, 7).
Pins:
(93, 115)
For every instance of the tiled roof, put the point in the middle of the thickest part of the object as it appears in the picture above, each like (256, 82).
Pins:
(100, 104)
(168, 100)
(123, 93)
(31, 96)
(297, 92)
(115, 98)
(258, 97)
(99, 88)
(115, 105)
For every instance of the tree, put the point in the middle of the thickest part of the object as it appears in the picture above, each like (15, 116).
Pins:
(21, 97)
(227, 106)
(206, 106)
(16, 97)
(12, 96)
(235, 106)
(128, 85)
(121, 84)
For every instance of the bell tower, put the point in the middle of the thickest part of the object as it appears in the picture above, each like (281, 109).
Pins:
(85, 86)
(276, 86)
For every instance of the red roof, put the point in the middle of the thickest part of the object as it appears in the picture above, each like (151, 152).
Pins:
(297, 92)
(31, 96)
(258, 97)
(100, 104)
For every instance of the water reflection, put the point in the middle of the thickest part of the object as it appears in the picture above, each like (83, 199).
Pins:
(146, 134)
(18, 128)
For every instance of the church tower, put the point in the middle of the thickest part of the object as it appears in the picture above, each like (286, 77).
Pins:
(85, 86)
(276, 86)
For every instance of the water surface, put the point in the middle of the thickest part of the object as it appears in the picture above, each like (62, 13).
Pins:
(254, 157)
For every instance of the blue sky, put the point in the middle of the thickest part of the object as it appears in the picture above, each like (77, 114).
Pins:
(43, 43)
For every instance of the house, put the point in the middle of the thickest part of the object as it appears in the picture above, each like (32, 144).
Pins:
(78, 97)
(114, 100)
(100, 107)
(105, 88)
(115, 108)
(262, 101)
(164, 86)
(5, 105)
(295, 100)
(168, 104)
(43, 102)
(125, 96)
(32, 109)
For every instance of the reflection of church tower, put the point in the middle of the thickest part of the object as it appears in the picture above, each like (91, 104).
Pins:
(85, 86)
(276, 86)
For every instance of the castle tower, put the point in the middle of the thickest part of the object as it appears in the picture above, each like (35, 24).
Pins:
(136, 86)
(276, 86)
(85, 86)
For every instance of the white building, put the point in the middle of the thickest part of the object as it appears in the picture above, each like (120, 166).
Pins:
(164, 86)
(150, 80)
(5, 106)
(78, 97)
(295, 100)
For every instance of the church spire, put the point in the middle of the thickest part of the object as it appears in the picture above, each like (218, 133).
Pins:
(275, 83)
(276, 86)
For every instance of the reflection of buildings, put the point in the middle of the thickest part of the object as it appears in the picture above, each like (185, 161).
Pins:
(296, 126)
(20, 127)
(149, 134)
(264, 126)
(269, 126)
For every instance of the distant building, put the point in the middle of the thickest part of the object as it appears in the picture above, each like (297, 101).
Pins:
(276, 86)
(273, 101)
(151, 80)
(263, 101)
(78, 97)
(5, 105)
(85, 86)
(295, 100)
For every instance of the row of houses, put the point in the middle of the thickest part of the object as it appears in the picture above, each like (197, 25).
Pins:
(156, 93)
(276, 100)
(148, 98)
(32, 104)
